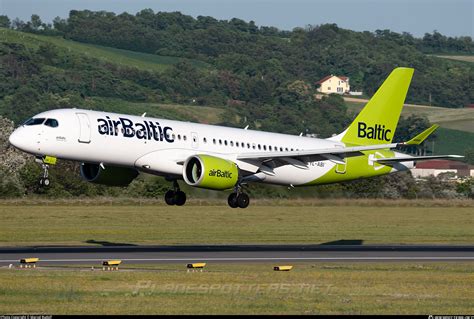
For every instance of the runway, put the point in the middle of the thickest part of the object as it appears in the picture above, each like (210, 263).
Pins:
(138, 254)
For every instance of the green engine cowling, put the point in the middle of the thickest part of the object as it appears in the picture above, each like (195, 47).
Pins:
(111, 175)
(210, 172)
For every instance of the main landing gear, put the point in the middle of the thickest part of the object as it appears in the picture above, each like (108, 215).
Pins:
(175, 196)
(238, 199)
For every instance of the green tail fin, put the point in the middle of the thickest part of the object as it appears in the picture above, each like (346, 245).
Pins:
(377, 122)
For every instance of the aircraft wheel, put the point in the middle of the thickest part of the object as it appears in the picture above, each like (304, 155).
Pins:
(243, 200)
(180, 198)
(46, 182)
(41, 181)
(170, 197)
(232, 200)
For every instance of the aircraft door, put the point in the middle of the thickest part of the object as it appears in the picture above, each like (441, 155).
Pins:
(194, 140)
(84, 128)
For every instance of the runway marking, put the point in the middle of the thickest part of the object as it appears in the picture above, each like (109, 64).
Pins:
(256, 259)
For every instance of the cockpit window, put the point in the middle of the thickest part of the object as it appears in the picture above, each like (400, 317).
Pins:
(36, 121)
(51, 123)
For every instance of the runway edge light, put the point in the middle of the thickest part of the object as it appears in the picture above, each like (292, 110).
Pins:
(28, 262)
(282, 268)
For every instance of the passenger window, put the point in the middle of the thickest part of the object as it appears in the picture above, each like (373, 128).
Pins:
(36, 121)
(204, 140)
(231, 143)
(220, 142)
(225, 142)
(179, 137)
(237, 144)
(184, 137)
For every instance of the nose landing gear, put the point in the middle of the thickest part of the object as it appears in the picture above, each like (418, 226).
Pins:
(175, 196)
(44, 178)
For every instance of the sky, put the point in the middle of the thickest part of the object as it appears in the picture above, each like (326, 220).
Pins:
(449, 17)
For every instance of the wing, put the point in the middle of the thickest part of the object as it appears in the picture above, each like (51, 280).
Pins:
(322, 152)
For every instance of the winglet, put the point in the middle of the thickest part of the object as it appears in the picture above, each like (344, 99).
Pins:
(417, 140)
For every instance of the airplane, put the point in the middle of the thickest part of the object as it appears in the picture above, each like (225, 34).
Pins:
(115, 148)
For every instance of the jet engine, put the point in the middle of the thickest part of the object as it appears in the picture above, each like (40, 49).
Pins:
(210, 172)
(110, 175)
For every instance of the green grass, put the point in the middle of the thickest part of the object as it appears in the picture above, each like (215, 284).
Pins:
(75, 224)
(332, 288)
(194, 113)
(453, 141)
(128, 58)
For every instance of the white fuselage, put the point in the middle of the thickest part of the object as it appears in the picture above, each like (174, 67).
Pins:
(160, 146)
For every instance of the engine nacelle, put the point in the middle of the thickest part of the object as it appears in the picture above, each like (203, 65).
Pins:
(210, 172)
(111, 175)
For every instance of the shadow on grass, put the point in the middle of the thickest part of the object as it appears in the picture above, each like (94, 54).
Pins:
(107, 243)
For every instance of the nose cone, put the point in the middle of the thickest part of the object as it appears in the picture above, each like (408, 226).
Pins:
(19, 139)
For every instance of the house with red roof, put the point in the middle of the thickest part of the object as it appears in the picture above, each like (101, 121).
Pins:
(436, 167)
(333, 84)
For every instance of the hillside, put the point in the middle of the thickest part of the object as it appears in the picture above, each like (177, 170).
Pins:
(456, 133)
(461, 119)
(143, 61)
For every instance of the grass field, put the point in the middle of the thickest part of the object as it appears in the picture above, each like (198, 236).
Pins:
(333, 288)
(74, 224)
(139, 60)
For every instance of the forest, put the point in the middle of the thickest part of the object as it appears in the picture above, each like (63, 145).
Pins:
(254, 74)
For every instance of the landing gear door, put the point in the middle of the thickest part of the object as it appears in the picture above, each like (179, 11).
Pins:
(84, 128)
(194, 140)
(341, 168)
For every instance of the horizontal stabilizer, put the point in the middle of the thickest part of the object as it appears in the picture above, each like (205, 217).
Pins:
(414, 158)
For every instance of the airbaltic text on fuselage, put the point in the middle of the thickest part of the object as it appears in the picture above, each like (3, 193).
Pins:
(145, 130)
(378, 132)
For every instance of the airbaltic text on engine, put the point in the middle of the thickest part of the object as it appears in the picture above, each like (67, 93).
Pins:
(378, 132)
(146, 130)
(219, 173)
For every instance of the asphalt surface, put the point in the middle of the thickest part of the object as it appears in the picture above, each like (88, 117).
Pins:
(137, 254)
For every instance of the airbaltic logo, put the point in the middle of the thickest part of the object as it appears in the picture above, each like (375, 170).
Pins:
(145, 130)
(219, 173)
(378, 132)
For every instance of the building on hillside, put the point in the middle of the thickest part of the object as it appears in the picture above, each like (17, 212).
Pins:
(334, 84)
(436, 167)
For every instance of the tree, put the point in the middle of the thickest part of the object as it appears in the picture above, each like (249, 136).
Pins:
(4, 21)
(36, 22)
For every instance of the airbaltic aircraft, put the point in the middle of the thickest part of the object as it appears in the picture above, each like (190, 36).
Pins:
(114, 148)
